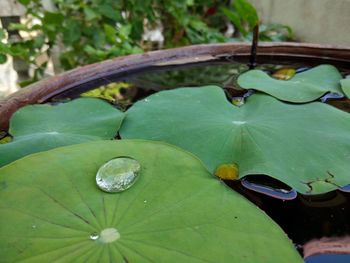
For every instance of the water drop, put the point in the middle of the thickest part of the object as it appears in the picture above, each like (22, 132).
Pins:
(145, 201)
(33, 226)
(118, 174)
(94, 236)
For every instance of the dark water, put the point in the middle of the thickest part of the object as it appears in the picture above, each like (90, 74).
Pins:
(328, 258)
(302, 217)
(306, 217)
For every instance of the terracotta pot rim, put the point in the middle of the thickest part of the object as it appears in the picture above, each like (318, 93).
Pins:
(45, 89)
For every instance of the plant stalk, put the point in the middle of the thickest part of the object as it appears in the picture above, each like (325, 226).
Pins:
(252, 59)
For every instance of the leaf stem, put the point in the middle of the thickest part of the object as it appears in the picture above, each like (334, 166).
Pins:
(252, 59)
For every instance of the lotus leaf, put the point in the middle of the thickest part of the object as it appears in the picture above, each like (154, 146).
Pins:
(303, 87)
(345, 86)
(305, 146)
(51, 210)
(38, 128)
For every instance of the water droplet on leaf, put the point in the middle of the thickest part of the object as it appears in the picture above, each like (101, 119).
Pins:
(118, 174)
(227, 171)
(284, 73)
(94, 236)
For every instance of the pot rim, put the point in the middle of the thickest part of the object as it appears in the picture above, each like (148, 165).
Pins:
(45, 89)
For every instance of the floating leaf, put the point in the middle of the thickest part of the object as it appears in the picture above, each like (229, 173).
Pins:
(300, 145)
(5, 139)
(227, 172)
(284, 73)
(303, 87)
(345, 86)
(38, 128)
(176, 212)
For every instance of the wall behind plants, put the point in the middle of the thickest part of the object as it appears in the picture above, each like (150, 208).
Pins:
(317, 21)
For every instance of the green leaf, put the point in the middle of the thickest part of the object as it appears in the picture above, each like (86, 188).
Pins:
(247, 11)
(345, 86)
(25, 2)
(2, 34)
(53, 18)
(305, 146)
(235, 19)
(109, 12)
(71, 31)
(99, 39)
(303, 87)
(90, 14)
(111, 33)
(175, 212)
(42, 127)
(3, 58)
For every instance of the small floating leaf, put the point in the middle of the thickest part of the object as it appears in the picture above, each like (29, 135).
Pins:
(284, 73)
(303, 87)
(118, 174)
(38, 128)
(227, 171)
(295, 144)
(238, 101)
(189, 216)
(6, 139)
(345, 86)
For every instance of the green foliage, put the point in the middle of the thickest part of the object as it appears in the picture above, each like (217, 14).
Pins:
(38, 128)
(303, 87)
(109, 92)
(175, 212)
(243, 15)
(305, 146)
(93, 30)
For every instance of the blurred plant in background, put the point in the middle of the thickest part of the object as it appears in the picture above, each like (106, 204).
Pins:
(88, 31)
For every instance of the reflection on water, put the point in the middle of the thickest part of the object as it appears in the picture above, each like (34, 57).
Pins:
(328, 258)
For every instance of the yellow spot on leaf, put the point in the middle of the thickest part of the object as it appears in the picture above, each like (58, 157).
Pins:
(284, 73)
(227, 171)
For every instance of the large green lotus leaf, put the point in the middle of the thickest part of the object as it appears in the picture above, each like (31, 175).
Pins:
(305, 146)
(175, 212)
(303, 87)
(38, 128)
